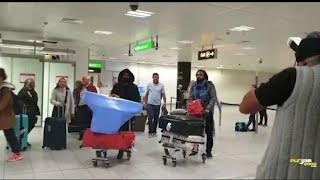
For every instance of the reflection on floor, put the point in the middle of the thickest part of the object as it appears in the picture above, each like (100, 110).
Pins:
(235, 156)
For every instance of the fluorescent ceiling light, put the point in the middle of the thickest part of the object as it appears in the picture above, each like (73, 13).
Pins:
(38, 41)
(13, 46)
(200, 66)
(185, 42)
(112, 58)
(143, 62)
(21, 45)
(248, 48)
(91, 70)
(103, 32)
(242, 28)
(139, 13)
(240, 54)
(175, 48)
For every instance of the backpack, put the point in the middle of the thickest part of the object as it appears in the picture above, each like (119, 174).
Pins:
(241, 126)
(17, 104)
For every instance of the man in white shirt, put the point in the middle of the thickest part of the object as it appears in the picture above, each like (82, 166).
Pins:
(152, 102)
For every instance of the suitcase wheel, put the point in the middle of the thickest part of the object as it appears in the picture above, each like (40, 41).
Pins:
(174, 162)
(129, 155)
(106, 164)
(184, 153)
(95, 163)
(7, 147)
(164, 161)
(42, 147)
(204, 157)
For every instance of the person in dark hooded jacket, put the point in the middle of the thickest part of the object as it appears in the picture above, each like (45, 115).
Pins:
(126, 89)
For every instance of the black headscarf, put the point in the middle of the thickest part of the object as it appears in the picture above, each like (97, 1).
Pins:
(126, 90)
(131, 76)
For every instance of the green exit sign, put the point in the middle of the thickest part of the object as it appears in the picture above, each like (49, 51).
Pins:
(143, 46)
(95, 65)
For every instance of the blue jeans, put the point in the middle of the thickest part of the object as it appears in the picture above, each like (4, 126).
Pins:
(153, 117)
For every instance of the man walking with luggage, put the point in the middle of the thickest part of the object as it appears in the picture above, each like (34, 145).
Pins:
(152, 102)
(205, 91)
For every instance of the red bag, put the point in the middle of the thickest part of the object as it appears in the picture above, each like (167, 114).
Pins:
(120, 141)
(195, 108)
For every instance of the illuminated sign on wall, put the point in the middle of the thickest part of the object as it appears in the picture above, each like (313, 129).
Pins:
(95, 67)
(207, 54)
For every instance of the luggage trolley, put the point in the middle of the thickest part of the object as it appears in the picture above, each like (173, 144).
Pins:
(101, 151)
(103, 134)
(101, 156)
(173, 141)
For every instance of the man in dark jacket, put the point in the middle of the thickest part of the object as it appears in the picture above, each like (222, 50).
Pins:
(205, 91)
(126, 89)
(29, 97)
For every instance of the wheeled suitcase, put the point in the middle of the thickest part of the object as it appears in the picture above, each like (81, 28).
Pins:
(139, 123)
(119, 141)
(183, 125)
(54, 135)
(241, 126)
(74, 125)
(21, 131)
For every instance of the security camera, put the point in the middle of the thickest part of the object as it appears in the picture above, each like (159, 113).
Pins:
(134, 6)
(260, 60)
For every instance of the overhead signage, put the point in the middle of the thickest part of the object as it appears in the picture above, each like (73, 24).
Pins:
(95, 67)
(207, 54)
(143, 46)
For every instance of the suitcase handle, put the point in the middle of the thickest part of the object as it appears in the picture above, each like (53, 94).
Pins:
(63, 111)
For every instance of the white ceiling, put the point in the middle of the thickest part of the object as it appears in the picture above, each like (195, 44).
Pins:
(203, 23)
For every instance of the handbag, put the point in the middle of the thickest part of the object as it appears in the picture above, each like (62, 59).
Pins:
(195, 108)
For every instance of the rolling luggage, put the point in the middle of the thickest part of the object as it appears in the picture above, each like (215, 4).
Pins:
(138, 123)
(182, 124)
(119, 141)
(54, 135)
(21, 130)
(74, 126)
(241, 126)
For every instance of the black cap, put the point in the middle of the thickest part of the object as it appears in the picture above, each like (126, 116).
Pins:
(307, 48)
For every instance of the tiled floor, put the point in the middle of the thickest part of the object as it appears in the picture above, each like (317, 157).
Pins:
(236, 155)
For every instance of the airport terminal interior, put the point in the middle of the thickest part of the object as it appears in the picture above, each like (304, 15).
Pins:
(238, 45)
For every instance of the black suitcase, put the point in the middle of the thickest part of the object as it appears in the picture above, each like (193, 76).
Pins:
(55, 136)
(183, 125)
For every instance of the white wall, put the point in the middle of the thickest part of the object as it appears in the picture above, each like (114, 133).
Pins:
(231, 85)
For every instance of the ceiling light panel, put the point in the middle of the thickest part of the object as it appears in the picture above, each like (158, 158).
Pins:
(139, 14)
(242, 28)
(185, 42)
(103, 32)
